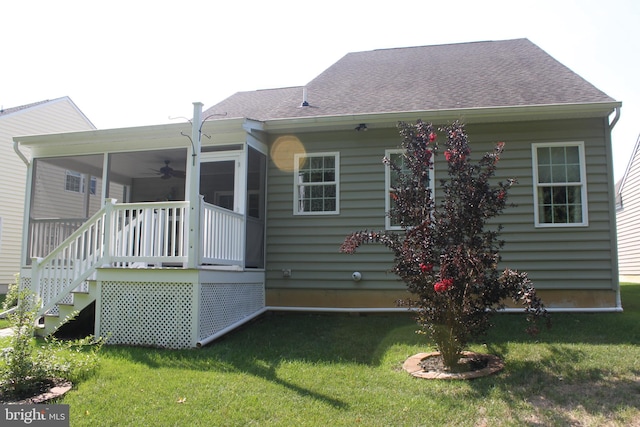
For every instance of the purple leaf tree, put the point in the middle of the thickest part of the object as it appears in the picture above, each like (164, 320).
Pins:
(447, 252)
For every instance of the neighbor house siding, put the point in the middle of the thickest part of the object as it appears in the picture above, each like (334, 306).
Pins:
(58, 115)
(54, 201)
(628, 219)
(558, 258)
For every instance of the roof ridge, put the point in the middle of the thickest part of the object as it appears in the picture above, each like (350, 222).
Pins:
(443, 45)
(5, 111)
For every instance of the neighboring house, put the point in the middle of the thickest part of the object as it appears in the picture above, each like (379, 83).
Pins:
(209, 232)
(50, 116)
(628, 218)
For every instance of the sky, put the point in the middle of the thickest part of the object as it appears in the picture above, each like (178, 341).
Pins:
(139, 62)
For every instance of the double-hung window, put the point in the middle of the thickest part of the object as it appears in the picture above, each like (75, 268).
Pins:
(560, 186)
(397, 157)
(75, 181)
(316, 186)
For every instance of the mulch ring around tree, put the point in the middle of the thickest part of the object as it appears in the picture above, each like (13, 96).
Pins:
(41, 392)
(473, 365)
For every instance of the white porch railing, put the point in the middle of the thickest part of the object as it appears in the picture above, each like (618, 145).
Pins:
(47, 234)
(151, 233)
(222, 236)
(126, 235)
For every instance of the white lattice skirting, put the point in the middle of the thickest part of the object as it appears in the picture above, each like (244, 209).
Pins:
(49, 290)
(173, 314)
(224, 304)
(147, 314)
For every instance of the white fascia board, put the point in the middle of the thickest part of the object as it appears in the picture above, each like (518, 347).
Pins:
(127, 139)
(467, 115)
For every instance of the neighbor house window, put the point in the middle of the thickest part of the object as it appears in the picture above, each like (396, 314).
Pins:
(560, 186)
(74, 181)
(316, 186)
(391, 182)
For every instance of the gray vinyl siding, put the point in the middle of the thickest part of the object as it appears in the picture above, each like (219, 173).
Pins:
(628, 219)
(555, 258)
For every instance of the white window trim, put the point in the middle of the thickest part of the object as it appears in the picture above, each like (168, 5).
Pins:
(76, 175)
(583, 183)
(83, 182)
(296, 187)
(387, 187)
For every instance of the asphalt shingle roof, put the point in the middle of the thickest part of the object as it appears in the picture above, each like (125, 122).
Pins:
(441, 77)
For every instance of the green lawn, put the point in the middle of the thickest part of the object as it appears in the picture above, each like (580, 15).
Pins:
(339, 370)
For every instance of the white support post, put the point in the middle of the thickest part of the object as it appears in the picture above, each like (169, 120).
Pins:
(195, 319)
(35, 275)
(108, 231)
(86, 180)
(193, 188)
(106, 178)
(98, 315)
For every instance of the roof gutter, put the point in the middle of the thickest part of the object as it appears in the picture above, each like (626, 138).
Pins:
(16, 148)
(468, 115)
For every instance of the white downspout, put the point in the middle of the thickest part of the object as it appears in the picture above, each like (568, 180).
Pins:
(409, 310)
(366, 310)
(16, 148)
(27, 203)
(613, 209)
(615, 119)
(215, 336)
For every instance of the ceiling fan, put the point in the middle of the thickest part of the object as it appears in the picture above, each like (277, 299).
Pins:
(167, 171)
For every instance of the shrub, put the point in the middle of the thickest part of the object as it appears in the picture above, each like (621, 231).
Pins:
(11, 299)
(24, 369)
(448, 254)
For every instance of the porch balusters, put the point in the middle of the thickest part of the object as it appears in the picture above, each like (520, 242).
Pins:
(137, 235)
(149, 233)
(222, 236)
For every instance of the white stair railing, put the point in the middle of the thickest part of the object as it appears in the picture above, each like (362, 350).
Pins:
(118, 235)
(71, 263)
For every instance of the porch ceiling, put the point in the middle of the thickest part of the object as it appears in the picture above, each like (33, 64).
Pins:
(145, 164)
(135, 164)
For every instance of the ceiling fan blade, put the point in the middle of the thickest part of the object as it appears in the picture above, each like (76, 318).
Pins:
(167, 172)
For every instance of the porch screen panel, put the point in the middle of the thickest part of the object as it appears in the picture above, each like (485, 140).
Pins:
(66, 191)
(255, 205)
